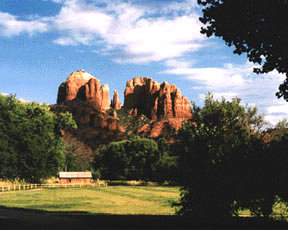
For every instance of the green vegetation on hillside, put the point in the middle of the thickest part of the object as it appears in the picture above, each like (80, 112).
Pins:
(130, 122)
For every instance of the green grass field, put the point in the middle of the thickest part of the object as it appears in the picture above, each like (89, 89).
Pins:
(128, 200)
(146, 200)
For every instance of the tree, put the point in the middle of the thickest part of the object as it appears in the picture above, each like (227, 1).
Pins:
(78, 156)
(219, 154)
(277, 154)
(278, 131)
(167, 166)
(255, 27)
(31, 145)
(132, 159)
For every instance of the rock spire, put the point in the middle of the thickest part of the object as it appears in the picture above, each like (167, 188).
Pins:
(115, 103)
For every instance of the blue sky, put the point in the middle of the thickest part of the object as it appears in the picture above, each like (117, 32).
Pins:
(43, 41)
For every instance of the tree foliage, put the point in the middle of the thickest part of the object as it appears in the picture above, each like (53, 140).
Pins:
(278, 131)
(134, 159)
(221, 161)
(255, 27)
(128, 160)
(77, 156)
(31, 146)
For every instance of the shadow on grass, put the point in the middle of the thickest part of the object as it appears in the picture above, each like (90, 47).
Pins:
(20, 218)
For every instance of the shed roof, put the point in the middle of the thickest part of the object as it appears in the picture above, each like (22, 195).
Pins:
(75, 175)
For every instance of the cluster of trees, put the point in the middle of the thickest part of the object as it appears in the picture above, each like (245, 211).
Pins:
(135, 159)
(227, 161)
(31, 146)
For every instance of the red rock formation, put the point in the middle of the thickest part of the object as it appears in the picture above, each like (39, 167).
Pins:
(161, 128)
(156, 101)
(86, 88)
(115, 103)
(70, 89)
(83, 96)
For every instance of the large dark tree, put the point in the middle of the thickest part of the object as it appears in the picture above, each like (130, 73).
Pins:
(222, 162)
(255, 27)
(31, 146)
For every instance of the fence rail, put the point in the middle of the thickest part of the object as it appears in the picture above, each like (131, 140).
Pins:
(42, 186)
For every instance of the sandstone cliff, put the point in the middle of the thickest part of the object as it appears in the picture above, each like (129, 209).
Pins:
(82, 86)
(156, 101)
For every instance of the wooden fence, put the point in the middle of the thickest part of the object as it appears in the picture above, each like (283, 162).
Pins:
(42, 186)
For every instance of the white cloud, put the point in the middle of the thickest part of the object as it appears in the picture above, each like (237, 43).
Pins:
(65, 41)
(274, 119)
(76, 19)
(227, 95)
(277, 111)
(236, 81)
(128, 32)
(212, 78)
(11, 26)
(281, 108)
(158, 39)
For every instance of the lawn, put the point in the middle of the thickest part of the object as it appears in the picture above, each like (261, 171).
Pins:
(146, 200)
(139, 200)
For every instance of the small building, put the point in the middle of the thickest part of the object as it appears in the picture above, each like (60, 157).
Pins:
(75, 177)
